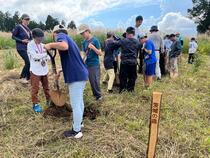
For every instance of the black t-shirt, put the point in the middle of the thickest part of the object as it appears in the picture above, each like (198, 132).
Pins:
(109, 54)
(130, 49)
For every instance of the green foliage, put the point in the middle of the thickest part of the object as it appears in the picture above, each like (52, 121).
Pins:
(10, 60)
(201, 12)
(6, 43)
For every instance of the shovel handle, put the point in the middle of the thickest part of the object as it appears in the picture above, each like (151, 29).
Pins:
(52, 57)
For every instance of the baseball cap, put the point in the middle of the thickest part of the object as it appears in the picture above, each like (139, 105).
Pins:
(59, 28)
(82, 28)
(130, 30)
(25, 16)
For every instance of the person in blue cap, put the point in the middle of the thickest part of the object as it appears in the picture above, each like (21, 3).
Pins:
(22, 35)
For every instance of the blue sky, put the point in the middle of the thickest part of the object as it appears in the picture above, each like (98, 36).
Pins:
(169, 15)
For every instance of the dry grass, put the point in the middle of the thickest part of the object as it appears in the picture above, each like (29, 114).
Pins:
(121, 130)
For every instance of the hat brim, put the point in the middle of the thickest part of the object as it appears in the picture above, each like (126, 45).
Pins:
(154, 30)
(81, 31)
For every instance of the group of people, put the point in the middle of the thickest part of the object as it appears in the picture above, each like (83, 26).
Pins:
(123, 58)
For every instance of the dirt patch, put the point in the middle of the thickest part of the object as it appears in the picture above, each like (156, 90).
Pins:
(54, 111)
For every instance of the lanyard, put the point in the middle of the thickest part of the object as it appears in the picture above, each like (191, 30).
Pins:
(40, 50)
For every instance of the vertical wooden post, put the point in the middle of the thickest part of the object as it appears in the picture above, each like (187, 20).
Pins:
(154, 124)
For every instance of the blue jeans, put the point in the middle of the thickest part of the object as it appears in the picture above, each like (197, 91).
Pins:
(76, 91)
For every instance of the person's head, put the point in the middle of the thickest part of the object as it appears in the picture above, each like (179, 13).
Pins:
(109, 35)
(25, 19)
(154, 29)
(59, 29)
(193, 39)
(173, 37)
(177, 34)
(143, 39)
(130, 32)
(85, 31)
(167, 36)
(139, 20)
(38, 35)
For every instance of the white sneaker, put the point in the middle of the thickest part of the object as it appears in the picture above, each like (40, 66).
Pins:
(73, 134)
(24, 81)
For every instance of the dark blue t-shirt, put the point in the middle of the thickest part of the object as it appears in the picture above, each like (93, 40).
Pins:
(150, 58)
(74, 68)
(19, 34)
(92, 57)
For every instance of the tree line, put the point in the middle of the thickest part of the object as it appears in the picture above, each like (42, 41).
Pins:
(9, 21)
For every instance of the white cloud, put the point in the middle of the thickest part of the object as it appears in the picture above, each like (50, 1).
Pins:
(95, 23)
(175, 22)
(63, 9)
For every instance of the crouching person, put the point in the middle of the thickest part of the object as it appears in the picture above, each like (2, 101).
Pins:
(75, 75)
(176, 49)
(149, 61)
(39, 69)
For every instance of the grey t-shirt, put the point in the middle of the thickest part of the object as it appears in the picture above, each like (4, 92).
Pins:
(158, 41)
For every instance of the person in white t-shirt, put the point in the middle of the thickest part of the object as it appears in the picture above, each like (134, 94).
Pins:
(138, 35)
(39, 68)
(193, 46)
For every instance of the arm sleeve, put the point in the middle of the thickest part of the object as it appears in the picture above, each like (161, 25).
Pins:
(148, 46)
(97, 44)
(61, 38)
(15, 32)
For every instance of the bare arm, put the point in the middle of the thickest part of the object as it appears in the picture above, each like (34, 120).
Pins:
(57, 45)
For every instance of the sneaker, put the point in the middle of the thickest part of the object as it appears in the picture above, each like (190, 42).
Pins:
(73, 134)
(24, 81)
(82, 125)
(37, 108)
(159, 79)
(99, 98)
(104, 82)
(48, 103)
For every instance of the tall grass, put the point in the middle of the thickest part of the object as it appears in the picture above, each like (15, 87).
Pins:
(10, 60)
(6, 42)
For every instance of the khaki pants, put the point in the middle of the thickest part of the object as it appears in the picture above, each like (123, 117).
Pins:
(173, 62)
(35, 87)
(111, 76)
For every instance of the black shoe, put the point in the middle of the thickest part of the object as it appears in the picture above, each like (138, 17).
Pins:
(99, 98)
(110, 91)
(73, 134)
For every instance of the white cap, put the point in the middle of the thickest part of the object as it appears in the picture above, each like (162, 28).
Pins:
(59, 27)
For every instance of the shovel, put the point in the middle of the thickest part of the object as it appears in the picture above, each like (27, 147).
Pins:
(57, 97)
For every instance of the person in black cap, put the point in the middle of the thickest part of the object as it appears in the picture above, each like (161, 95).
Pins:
(129, 53)
(22, 35)
(39, 68)
(109, 62)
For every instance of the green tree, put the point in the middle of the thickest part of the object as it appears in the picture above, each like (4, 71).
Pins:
(51, 22)
(72, 25)
(200, 13)
(63, 23)
(2, 21)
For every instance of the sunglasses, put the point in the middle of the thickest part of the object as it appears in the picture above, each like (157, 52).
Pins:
(26, 19)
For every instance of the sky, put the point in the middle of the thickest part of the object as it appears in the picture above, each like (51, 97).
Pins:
(169, 15)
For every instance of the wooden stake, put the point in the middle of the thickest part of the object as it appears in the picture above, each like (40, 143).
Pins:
(154, 124)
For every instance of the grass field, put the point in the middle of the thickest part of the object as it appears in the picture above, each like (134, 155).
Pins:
(121, 128)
